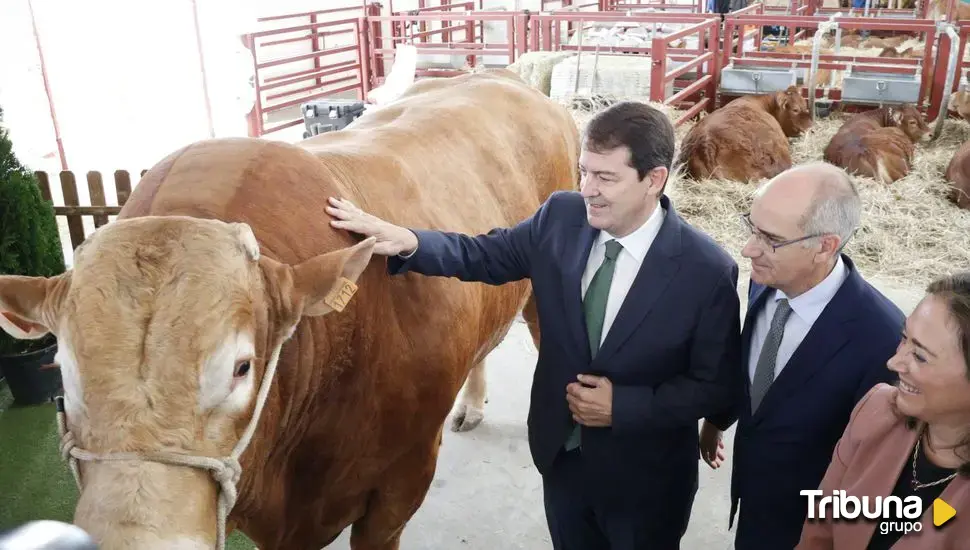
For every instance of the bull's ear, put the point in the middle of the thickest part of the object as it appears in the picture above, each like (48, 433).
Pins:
(327, 282)
(896, 116)
(782, 99)
(29, 306)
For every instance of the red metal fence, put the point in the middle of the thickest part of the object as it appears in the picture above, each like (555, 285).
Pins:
(285, 79)
(454, 33)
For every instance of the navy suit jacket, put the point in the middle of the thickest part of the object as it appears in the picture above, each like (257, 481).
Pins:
(787, 445)
(671, 354)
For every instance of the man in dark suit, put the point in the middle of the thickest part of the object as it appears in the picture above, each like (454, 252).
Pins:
(640, 323)
(816, 338)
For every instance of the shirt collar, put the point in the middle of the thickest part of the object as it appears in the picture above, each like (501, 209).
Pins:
(638, 242)
(810, 304)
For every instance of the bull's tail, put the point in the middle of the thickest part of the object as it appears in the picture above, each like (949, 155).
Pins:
(698, 156)
(885, 169)
(864, 165)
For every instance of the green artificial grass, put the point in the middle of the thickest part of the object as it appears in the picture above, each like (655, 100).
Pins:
(35, 483)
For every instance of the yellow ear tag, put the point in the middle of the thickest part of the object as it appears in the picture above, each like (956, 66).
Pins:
(341, 293)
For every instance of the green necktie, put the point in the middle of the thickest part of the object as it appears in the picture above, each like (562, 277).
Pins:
(594, 305)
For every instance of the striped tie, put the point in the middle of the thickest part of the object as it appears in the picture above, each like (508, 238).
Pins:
(764, 373)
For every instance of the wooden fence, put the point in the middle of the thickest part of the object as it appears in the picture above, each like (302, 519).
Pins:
(72, 209)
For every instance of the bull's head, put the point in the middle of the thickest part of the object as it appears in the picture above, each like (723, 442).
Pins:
(166, 327)
(793, 114)
(911, 122)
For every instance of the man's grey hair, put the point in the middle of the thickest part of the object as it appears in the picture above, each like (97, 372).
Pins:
(836, 207)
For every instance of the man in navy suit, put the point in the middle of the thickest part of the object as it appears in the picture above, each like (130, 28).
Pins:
(816, 338)
(640, 323)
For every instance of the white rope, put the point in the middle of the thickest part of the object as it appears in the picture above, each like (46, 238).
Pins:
(225, 471)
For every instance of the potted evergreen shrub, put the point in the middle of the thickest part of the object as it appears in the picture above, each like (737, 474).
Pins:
(29, 245)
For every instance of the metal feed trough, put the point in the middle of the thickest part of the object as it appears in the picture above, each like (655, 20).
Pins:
(879, 88)
(755, 79)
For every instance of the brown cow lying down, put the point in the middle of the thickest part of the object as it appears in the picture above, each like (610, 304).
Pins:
(958, 174)
(747, 139)
(878, 143)
(223, 263)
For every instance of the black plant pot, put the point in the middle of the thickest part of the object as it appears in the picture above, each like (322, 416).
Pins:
(29, 382)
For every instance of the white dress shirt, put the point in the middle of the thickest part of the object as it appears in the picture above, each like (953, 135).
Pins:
(628, 262)
(806, 308)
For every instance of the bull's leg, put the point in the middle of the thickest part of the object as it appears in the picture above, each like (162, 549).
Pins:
(471, 406)
(397, 499)
(531, 315)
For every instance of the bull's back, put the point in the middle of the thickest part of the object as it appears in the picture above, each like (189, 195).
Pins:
(739, 141)
(863, 147)
(463, 154)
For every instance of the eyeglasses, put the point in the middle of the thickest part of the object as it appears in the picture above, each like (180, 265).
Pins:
(769, 242)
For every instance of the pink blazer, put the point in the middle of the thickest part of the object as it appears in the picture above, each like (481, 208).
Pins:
(867, 461)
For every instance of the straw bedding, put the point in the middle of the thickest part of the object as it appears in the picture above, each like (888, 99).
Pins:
(910, 233)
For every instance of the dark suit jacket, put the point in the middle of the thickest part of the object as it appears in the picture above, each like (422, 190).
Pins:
(787, 445)
(671, 353)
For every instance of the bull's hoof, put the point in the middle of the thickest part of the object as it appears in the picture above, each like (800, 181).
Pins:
(466, 418)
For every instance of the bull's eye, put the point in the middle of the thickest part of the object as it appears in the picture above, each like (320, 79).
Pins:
(241, 369)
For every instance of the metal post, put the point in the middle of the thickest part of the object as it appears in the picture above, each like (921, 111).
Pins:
(47, 88)
(205, 80)
(951, 34)
(823, 28)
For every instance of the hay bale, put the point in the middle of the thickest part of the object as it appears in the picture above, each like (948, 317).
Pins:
(536, 68)
(612, 75)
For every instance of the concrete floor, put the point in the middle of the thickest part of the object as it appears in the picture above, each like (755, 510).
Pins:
(487, 494)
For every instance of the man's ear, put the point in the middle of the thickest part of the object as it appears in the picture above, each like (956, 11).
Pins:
(831, 246)
(656, 179)
(327, 282)
(29, 306)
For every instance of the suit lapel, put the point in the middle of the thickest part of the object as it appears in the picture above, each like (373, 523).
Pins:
(756, 303)
(827, 336)
(656, 272)
(574, 265)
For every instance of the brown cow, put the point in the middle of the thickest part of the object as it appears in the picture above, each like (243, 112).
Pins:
(958, 174)
(885, 42)
(937, 10)
(878, 143)
(168, 321)
(960, 102)
(747, 139)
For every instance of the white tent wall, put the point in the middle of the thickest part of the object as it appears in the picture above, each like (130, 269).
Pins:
(125, 79)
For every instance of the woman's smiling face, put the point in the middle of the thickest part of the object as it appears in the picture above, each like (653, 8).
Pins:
(934, 384)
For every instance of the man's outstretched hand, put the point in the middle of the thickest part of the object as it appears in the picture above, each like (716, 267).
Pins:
(391, 239)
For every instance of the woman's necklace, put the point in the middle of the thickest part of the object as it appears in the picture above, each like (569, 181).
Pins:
(916, 484)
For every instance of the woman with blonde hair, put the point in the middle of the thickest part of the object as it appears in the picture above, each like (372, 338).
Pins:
(910, 441)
